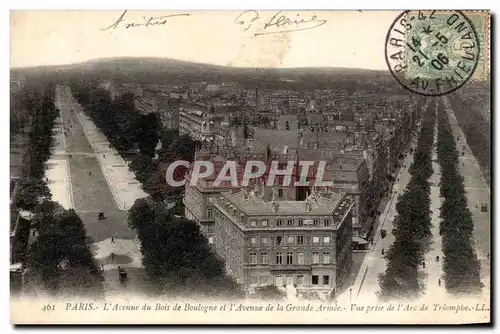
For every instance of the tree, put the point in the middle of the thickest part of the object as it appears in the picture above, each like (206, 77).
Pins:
(60, 257)
(30, 193)
(142, 166)
(155, 185)
(461, 266)
(147, 133)
(176, 255)
(412, 226)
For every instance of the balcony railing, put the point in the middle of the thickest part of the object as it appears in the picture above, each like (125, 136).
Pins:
(290, 267)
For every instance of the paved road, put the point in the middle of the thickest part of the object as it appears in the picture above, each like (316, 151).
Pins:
(366, 283)
(91, 195)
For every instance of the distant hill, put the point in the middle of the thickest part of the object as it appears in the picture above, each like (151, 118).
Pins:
(163, 70)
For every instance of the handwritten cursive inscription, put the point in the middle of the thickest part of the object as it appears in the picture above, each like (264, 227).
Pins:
(147, 21)
(279, 23)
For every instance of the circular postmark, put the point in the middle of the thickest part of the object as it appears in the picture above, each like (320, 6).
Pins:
(432, 53)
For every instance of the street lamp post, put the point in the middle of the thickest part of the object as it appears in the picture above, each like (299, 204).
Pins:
(350, 295)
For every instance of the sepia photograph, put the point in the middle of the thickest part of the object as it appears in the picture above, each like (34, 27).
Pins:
(250, 167)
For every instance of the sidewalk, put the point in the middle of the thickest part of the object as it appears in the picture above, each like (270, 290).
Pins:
(57, 168)
(122, 182)
(478, 192)
(366, 284)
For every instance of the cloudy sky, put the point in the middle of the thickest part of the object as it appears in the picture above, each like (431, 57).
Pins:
(340, 39)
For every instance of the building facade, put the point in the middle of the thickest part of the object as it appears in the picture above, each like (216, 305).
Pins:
(269, 241)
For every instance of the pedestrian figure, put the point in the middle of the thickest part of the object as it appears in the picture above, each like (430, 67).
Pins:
(437, 258)
(104, 155)
(439, 282)
(112, 240)
(90, 173)
(382, 251)
(488, 255)
(423, 264)
(112, 256)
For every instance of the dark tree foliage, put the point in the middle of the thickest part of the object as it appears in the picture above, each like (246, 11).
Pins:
(413, 224)
(143, 166)
(43, 115)
(176, 255)
(30, 193)
(147, 133)
(32, 189)
(60, 259)
(461, 266)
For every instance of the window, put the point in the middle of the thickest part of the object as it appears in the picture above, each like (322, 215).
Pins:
(210, 240)
(326, 240)
(264, 258)
(301, 222)
(253, 223)
(327, 222)
(253, 240)
(279, 240)
(279, 257)
(300, 279)
(289, 222)
(315, 240)
(300, 258)
(264, 222)
(289, 239)
(279, 222)
(289, 257)
(280, 193)
(300, 239)
(210, 228)
(264, 240)
(326, 257)
(253, 258)
(263, 279)
(210, 213)
(326, 280)
(253, 279)
(315, 257)
(316, 222)
(315, 279)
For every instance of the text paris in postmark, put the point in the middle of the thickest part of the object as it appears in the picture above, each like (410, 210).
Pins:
(432, 52)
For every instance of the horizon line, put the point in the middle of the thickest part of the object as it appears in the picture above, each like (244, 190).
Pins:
(190, 62)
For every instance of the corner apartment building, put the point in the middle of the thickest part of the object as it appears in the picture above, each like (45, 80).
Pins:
(195, 120)
(277, 242)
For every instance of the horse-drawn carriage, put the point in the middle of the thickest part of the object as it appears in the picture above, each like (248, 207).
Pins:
(122, 274)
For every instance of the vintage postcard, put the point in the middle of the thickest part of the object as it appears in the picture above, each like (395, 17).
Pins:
(250, 167)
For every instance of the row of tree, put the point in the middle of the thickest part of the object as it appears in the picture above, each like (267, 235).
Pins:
(60, 261)
(31, 188)
(412, 226)
(176, 255)
(461, 266)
